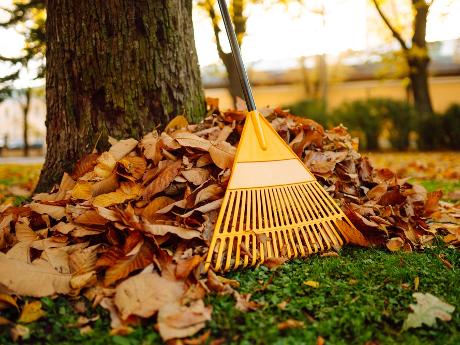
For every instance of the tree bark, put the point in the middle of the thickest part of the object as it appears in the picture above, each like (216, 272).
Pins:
(115, 68)
(25, 130)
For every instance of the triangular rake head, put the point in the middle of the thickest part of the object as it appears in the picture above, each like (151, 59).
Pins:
(273, 207)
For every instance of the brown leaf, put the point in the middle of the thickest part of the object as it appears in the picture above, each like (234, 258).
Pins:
(394, 244)
(149, 212)
(274, 262)
(178, 321)
(163, 180)
(122, 148)
(107, 185)
(197, 176)
(151, 147)
(213, 192)
(432, 201)
(84, 165)
(222, 154)
(290, 323)
(56, 212)
(38, 279)
(91, 217)
(123, 267)
(6, 301)
(144, 294)
(163, 229)
(188, 139)
(243, 302)
(184, 267)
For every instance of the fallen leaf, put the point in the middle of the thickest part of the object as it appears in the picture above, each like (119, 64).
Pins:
(197, 176)
(163, 229)
(290, 323)
(311, 283)
(222, 154)
(31, 312)
(123, 267)
(177, 122)
(394, 244)
(56, 212)
(188, 139)
(6, 301)
(274, 262)
(427, 309)
(122, 148)
(179, 321)
(38, 279)
(109, 199)
(144, 294)
(163, 180)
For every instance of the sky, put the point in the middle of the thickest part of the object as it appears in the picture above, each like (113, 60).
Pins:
(281, 32)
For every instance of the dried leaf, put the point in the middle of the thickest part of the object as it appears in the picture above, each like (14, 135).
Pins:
(197, 176)
(156, 204)
(56, 212)
(178, 321)
(427, 309)
(290, 323)
(188, 139)
(179, 121)
(184, 267)
(222, 154)
(123, 267)
(274, 262)
(163, 229)
(163, 180)
(144, 294)
(109, 199)
(122, 148)
(213, 192)
(38, 279)
(31, 312)
(82, 190)
(394, 244)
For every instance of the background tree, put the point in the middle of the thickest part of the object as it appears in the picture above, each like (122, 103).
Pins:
(28, 18)
(237, 13)
(415, 52)
(118, 69)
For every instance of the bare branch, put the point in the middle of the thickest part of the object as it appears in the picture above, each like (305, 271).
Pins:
(395, 33)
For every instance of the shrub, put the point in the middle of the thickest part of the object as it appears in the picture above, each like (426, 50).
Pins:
(451, 126)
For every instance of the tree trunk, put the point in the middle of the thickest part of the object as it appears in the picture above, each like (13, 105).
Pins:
(115, 68)
(25, 111)
(418, 76)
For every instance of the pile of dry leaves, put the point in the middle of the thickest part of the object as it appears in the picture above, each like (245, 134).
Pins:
(129, 228)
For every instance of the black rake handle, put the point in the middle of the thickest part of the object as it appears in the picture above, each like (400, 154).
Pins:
(244, 81)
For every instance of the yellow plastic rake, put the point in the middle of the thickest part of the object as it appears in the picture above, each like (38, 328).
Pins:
(273, 206)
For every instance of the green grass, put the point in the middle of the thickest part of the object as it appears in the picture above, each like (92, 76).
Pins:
(361, 297)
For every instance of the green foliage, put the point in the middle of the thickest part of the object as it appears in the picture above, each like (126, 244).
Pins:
(28, 18)
(451, 126)
(312, 109)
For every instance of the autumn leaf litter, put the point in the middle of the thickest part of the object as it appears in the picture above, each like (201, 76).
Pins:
(130, 227)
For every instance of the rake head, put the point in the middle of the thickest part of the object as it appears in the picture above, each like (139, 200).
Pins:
(273, 206)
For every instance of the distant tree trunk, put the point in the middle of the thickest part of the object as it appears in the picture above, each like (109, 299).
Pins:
(416, 55)
(25, 111)
(418, 59)
(115, 68)
(239, 23)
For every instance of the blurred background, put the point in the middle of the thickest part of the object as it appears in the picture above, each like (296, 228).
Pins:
(389, 70)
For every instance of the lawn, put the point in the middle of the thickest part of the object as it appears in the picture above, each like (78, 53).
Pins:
(363, 295)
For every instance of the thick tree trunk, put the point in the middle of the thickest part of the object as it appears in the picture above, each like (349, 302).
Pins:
(115, 68)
